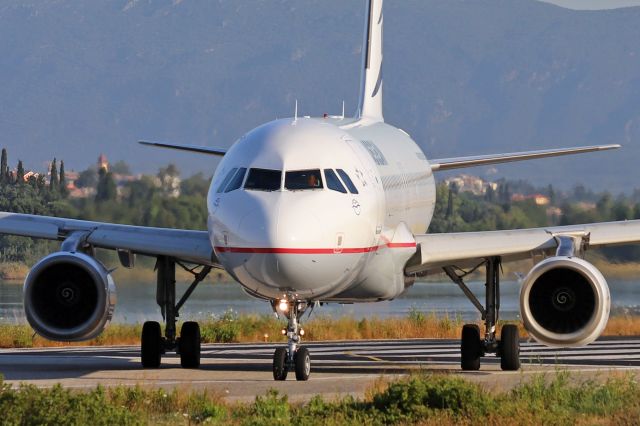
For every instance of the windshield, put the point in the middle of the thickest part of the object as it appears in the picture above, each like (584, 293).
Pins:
(263, 180)
(226, 180)
(347, 181)
(236, 182)
(303, 179)
(333, 182)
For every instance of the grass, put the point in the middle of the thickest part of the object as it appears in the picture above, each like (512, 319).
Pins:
(425, 399)
(231, 327)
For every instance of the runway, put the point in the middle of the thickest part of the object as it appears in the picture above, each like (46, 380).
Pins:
(242, 371)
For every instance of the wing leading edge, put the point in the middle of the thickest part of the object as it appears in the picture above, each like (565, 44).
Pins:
(185, 245)
(483, 160)
(467, 248)
(190, 148)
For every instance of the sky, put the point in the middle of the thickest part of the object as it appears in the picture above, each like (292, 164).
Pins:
(593, 4)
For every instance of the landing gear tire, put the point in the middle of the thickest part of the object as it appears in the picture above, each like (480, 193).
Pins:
(151, 345)
(510, 348)
(302, 362)
(189, 345)
(280, 368)
(470, 347)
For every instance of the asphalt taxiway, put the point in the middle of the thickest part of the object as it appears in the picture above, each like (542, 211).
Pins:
(242, 371)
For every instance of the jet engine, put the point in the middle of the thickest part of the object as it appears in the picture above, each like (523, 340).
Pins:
(565, 301)
(69, 297)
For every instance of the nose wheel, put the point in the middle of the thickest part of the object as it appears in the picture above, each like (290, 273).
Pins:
(293, 357)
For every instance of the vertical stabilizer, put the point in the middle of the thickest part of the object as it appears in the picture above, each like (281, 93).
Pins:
(370, 103)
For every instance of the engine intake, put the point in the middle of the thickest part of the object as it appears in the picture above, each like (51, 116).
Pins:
(69, 297)
(565, 301)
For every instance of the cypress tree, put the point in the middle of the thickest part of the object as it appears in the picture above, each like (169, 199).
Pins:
(20, 173)
(54, 182)
(63, 180)
(106, 189)
(41, 182)
(4, 168)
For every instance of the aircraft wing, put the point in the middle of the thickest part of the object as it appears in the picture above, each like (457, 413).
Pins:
(483, 160)
(465, 249)
(185, 245)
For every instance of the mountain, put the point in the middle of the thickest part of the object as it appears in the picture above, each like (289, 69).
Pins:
(462, 77)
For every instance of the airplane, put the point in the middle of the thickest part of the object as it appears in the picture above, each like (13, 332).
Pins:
(304, 211)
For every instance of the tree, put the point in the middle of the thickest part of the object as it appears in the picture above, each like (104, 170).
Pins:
(551, 193)
(604, 206)
(106, 189)
(490, 194)
(63, 181)
(41, 182)
(195, 185)
(87, 178)
(54, 182)
(4, 168)
(170, 180)
(20, 173)
(120, 168)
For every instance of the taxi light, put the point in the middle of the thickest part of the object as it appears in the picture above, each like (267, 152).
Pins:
(302, 332)
(283, 331)
(283, 305)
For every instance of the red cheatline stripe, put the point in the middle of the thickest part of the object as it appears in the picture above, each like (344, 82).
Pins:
(275, 250)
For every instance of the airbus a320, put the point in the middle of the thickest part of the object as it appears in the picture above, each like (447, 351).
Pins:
(329, 209)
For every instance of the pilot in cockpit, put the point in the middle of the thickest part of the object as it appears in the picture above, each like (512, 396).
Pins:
(313, 181)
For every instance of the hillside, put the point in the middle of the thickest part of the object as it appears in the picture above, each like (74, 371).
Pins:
(463, 77)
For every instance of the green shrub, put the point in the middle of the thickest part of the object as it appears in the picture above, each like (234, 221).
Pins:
(420, 395)
(270, 409)
(30, 405)
(225, 329)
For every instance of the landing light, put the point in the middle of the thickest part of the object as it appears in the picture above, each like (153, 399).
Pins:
(283, 331)
(283, 305)
(302, 332)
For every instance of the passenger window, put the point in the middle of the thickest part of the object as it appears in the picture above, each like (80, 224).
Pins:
(333, 182)
(347, 181)
(226, 180)
(303, 179)
(263, 180)
(236, 182)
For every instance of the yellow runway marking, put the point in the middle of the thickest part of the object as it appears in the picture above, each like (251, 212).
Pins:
(372, 358)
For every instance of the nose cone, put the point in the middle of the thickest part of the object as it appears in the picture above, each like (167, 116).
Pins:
(286, 243)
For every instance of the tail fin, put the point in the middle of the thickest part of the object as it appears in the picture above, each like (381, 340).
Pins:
(370, 103)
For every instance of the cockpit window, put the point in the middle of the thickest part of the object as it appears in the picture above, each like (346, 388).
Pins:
(226, 180)
(333, 182)
(263, 180)
(303, 179)
(347, 181)
(236, 182)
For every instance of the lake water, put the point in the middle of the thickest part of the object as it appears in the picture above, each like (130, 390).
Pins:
(136, 301)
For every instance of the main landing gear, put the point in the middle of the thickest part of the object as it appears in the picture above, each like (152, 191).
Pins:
(293, 357)
(472, 346)
(153, 344)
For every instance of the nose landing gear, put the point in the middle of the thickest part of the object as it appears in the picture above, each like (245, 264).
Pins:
(293, 357)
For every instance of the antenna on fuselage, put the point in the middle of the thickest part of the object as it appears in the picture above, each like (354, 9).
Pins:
(342, 111)
(295, 112)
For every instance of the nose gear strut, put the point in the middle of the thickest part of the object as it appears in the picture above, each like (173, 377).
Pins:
(294, 356)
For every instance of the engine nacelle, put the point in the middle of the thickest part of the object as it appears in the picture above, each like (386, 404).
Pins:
(565, 301)
(69, 297)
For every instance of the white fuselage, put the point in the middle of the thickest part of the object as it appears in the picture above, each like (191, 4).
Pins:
(279, 235)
